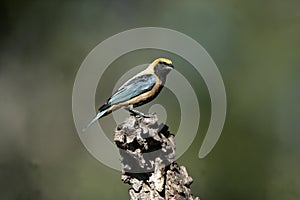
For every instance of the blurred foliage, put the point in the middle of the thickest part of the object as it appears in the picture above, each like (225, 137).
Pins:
(254, 43)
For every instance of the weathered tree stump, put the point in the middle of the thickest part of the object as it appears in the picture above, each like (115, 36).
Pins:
(147, 152)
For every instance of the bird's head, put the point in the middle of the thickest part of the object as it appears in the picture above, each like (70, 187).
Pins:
(162, 66)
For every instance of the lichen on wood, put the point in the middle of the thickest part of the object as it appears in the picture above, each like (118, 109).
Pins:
(148, 163)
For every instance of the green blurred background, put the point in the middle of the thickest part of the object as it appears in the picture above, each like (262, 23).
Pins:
(255, 44)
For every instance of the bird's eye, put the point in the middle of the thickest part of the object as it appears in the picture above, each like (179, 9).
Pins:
(162, 63)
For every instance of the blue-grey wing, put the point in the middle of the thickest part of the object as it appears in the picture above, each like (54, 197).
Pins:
(133, 88)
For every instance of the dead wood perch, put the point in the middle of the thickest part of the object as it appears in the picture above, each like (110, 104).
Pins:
(147, 152)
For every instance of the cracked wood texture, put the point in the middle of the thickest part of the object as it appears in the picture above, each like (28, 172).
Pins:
(147, 152)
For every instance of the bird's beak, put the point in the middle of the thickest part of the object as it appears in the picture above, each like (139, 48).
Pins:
(170, 67)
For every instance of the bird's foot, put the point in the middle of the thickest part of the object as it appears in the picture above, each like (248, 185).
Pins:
(138, 113)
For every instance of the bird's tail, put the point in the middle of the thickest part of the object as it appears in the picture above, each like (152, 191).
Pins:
(98, 116)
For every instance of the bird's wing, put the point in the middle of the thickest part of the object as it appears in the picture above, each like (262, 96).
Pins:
(133, 88)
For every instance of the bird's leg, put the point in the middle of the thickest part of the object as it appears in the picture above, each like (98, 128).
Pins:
(136, 112)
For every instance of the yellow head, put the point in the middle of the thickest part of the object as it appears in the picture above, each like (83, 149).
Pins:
(161, 60)
(161, 67)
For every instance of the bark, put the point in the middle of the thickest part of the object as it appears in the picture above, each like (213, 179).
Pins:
(148, 163)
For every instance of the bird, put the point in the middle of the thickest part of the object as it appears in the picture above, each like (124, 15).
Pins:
(138, 90)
